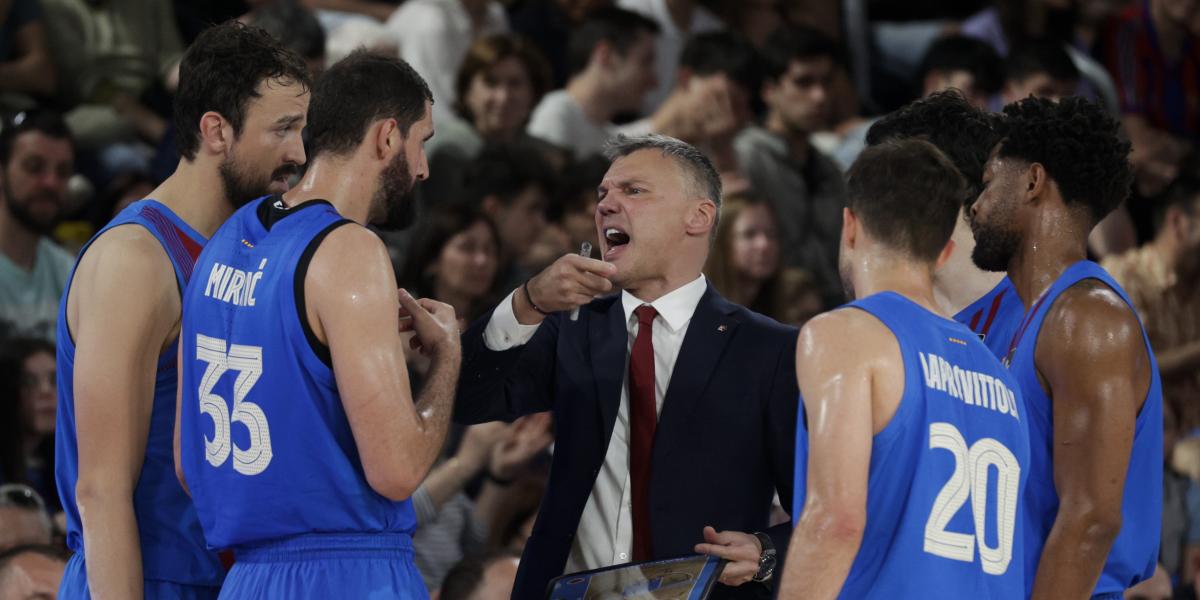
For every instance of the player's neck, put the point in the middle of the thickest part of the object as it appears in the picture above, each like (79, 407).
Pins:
(881, 273)
(1047, 251)
(342, 181)
(959, 283)
(196, 195)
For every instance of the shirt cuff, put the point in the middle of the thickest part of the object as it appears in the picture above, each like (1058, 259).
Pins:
(503, 331)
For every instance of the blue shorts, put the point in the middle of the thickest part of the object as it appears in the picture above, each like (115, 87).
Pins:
(378, 565)
(74, 586)
(1109, 596)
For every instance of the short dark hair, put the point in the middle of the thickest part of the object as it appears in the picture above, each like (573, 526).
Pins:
(576, 184)
(797, 42)
(221, 72)
(907, 194)
(486, 52)
(1034, 56)
(505, 169)
(723, 52)
(465, 577)
(695, 165)
(294, 25)
(357, 91)
(962, 53)
(41, 120)
(620, 28)
(1079, 144)
(964, 133)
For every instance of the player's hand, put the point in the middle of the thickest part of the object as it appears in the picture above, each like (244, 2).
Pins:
(742, 550)
(525, 438)
(570, 281)
(433, 322)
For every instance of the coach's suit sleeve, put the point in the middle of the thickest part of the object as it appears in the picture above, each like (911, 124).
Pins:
(783, 402)
(503, 385)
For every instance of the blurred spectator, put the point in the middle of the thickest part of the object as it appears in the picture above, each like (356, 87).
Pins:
(454, 257)
(513, 520)
(500, 81)
(678, 21)
(549, 23)
(611, 65)
(112, 55)
(1163, 279)
(296, 27)
(31, 572)
(451, 525)
(1041, 68)
(745, 267)
(434, 36)
(510, 183)
(1158, 587)
(575, 211)
(963, 63)
(712, 99)
(1153, 53)
(36, 410)
(487, 577)
(37, 158)
(377, 10)
(804, 187)
(25, 66)
(23, 517)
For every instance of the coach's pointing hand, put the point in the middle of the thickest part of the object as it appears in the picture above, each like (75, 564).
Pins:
(569, 282)
(434, 323)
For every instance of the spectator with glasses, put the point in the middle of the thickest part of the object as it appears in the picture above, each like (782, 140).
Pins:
(23, 517)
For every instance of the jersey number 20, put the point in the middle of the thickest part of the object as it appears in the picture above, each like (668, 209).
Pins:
(247, 361)
(970, 480)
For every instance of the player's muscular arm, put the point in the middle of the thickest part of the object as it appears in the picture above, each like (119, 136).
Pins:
(1091, 357)
(837, 364)
(354, 306)
(124, 305)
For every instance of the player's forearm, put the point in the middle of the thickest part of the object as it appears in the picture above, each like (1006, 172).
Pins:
(1074, 555)
(112, 549)
(435, 405)
(820, 555)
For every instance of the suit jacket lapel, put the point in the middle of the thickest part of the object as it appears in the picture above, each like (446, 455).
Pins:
(711, 327)
(608, 336)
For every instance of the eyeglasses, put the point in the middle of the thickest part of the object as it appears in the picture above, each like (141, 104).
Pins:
(21, 495)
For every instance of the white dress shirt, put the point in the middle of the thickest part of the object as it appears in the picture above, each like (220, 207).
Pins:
(605, 534)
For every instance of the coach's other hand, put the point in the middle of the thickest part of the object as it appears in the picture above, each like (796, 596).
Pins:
(434, 323)
(570, 281)
(742, 550)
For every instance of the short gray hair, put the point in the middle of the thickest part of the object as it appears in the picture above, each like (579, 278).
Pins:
(706, 183)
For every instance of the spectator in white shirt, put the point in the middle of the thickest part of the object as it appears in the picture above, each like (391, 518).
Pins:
(678, 21)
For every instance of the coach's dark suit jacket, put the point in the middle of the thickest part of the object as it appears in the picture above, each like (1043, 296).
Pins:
(724, 442)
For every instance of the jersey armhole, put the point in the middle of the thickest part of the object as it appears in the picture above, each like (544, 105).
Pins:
(318, 348)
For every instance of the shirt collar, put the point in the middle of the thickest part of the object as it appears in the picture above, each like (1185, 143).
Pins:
(676, 307)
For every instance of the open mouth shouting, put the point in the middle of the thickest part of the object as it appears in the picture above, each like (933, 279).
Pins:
(615, 240)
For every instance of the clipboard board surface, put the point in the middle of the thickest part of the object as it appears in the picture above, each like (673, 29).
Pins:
(681, 578)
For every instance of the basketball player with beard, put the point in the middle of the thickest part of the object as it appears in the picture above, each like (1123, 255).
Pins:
(239, 113)
(1093, 399)
(299, 436)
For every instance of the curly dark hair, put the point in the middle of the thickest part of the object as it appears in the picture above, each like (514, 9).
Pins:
(1079, 144)
(962, 132)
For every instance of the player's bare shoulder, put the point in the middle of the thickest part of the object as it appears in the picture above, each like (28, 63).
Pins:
(124, 268)
(1087, 317)
(846, 334)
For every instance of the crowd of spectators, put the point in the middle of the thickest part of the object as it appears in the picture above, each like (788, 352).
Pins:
(779, 93)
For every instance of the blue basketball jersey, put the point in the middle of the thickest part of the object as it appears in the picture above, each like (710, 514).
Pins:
(172, 544)
(946, 473)
(995, 317)
(267, 450)
(1135, 551)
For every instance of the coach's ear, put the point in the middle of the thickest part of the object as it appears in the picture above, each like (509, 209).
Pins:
(849, 228)
(945, 254)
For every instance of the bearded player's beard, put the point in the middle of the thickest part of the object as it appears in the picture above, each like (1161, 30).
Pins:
(394, 206)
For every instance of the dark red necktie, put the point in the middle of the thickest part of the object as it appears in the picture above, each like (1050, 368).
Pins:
(643, 416)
